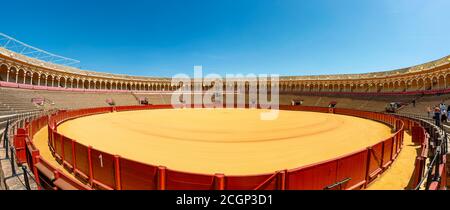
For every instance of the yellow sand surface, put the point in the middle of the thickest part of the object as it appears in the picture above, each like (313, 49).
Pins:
(397, 177)
(229, 141)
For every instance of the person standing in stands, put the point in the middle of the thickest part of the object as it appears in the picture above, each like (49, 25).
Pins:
(448, 110)
(444, 116)
(437, 116)
(443, 106)
(429, 110)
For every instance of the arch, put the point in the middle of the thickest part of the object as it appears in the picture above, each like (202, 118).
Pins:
(365, 87)
(420, 84)
(396, 86)
(348, 88)
(34, 78)
(441, 82)
(49, 80)
(301, 87)
(391, 86)
(75, 83)
(55, 81)
(28, 77)
(20, 76)
(402, 86)
(408, 85)
(62, 82)
(379, 87)
(353, 87)
(86, 84)
(4, 73)
(414, 85)
(330, 88)
(428, 84)
(386, 87)
(434, 83)
(358, 88)
(69, 83)
(42, 79)
(91, 84)
(372, 87)
(447, 81)
(13, 74)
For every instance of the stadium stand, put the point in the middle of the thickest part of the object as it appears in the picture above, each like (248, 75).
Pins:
(423, 102)
(21, 99)
(13, 102)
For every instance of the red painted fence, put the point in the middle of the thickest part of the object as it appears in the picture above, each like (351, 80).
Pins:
(113, 172)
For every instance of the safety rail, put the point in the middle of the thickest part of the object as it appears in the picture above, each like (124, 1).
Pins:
(434, 149)
(18, 170)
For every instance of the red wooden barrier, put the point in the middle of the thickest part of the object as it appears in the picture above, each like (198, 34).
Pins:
(20, 145)
(58, 146)
(418, 134)
(137, 176)
(375, 164)
(387, 153)
(188, 181)
(81, 165)
(103, 169)
(314, 177)
(346, 169)
(106, 171)
(251, 182)
(68, 152)
(419, 169)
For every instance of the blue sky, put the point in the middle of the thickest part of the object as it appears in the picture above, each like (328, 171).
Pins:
(287, 37)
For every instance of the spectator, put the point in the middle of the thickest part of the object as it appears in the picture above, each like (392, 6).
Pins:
(437, 116)
(429, 110)
(414, 103)
(443, 106)
(444, 115)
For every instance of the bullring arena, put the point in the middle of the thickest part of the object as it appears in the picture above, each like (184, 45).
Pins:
(233, 142)
(66, 128)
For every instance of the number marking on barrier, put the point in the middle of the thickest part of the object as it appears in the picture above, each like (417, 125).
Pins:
(101, 160)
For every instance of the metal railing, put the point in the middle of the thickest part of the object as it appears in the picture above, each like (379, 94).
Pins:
(438, 141)
(20, 171)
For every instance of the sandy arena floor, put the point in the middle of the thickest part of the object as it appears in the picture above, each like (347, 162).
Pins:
(230, 141)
